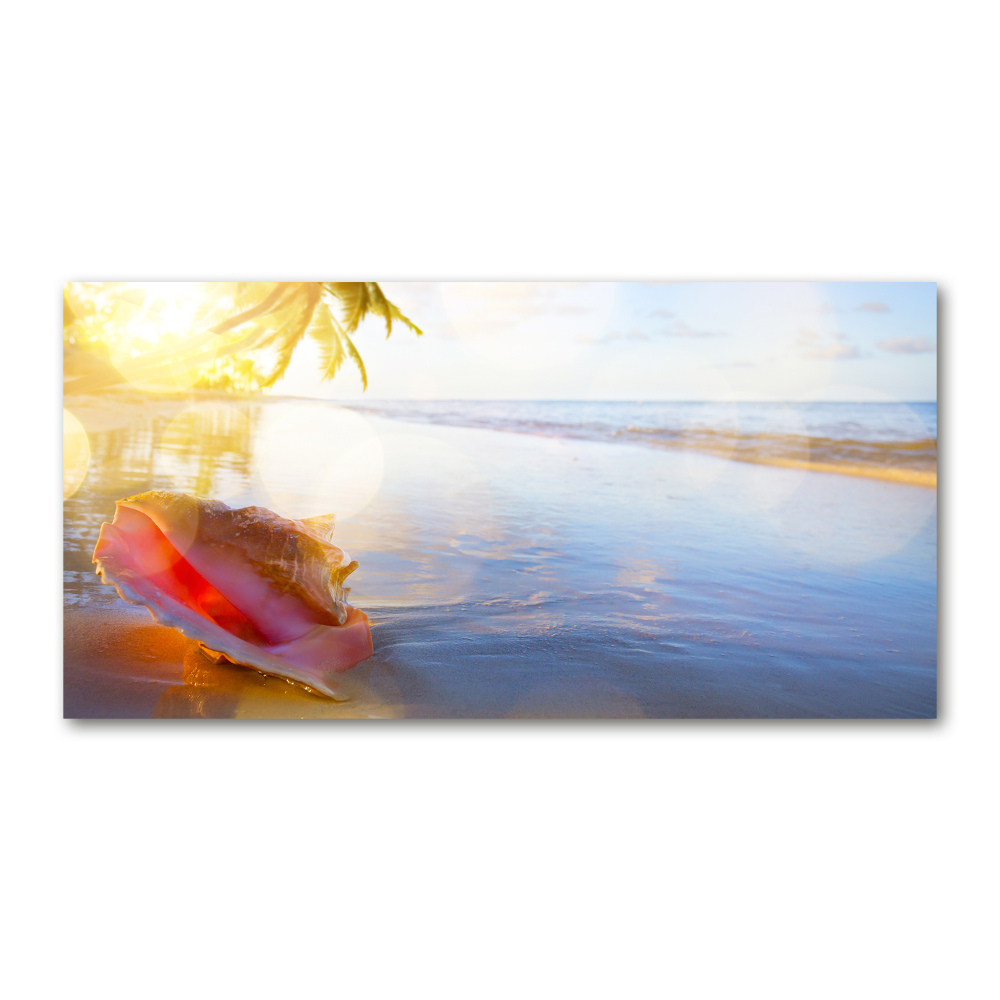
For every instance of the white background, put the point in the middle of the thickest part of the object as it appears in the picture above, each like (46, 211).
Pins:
(523, 140)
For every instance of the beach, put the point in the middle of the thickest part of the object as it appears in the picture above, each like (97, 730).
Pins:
(510, 573)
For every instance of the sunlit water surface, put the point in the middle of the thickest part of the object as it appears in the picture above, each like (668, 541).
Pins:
(539, 574)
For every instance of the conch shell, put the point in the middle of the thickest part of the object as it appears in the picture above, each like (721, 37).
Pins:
(249, 585)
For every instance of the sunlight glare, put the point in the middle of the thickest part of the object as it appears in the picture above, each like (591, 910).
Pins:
(154, 320)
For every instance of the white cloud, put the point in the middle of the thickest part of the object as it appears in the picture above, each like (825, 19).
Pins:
(908, 345)
(835, 347)
(633, 334)
(677, 329)
(681, 329)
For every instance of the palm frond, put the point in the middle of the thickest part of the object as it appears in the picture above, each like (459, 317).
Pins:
(303, 307)
(283, 292)
(354, 301)
(222, 300)
(381, 306)
(328, 334)
(353, 352)
(335, 344)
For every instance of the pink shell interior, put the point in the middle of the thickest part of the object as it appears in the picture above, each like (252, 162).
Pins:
(212, 595)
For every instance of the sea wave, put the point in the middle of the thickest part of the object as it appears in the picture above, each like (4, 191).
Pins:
(884, 441)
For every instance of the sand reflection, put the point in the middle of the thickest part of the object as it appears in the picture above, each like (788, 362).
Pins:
(204, 450)
(227, 691)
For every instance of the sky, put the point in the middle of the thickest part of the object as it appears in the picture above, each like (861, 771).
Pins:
(783, 341)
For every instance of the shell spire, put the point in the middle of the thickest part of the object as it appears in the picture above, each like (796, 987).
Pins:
(322, 524)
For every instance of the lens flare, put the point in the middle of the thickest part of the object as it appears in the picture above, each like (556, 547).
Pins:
(314, 463)
(823, 522)
(76, 454)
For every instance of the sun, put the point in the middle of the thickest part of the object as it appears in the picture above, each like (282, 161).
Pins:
(147, 313)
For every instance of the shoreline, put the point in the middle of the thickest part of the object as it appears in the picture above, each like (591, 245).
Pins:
(906, 477)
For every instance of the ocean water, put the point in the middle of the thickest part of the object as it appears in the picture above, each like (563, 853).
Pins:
(860, 437)
(535, 563)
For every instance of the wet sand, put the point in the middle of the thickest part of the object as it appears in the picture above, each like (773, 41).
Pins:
(508, 575)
